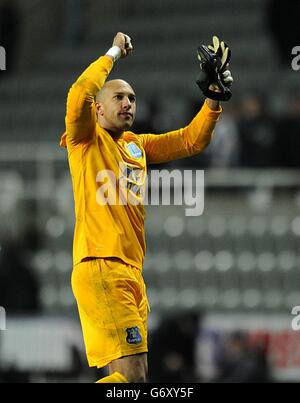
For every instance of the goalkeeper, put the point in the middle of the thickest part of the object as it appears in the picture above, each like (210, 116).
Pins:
(109, 239)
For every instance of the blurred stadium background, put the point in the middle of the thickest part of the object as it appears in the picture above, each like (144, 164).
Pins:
(221, 286)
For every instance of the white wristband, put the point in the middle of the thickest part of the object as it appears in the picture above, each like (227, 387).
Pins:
(114, 52)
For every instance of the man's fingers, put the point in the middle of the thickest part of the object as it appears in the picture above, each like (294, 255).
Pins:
(127, 38)
(214, 88)
(227, 77)
(216, 43)
(128, 44)
(223, 46)
(224, 55)
(220, 48)
(123, 41)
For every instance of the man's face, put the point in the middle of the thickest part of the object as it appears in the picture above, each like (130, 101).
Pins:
(116, 106)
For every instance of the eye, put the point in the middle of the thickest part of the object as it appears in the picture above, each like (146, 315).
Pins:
(132, 99)
(119, 97)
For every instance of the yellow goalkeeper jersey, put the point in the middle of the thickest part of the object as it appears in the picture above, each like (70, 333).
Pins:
(107, 224)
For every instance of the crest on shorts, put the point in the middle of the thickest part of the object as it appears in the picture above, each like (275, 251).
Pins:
(133, 335)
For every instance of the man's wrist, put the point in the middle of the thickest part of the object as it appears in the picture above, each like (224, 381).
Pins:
(114, 52)
(212, 104)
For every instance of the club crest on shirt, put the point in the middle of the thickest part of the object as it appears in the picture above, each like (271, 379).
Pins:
(133, 335)
(134, 151)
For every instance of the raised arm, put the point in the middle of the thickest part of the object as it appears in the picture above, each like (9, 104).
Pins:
(184, 142)
(214, 80)
(81, 112)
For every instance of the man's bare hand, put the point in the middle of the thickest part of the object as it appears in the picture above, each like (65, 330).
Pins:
(123, 41)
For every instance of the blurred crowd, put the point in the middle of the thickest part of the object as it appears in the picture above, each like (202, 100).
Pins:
(174, 355)
(250, 133)
(283, 26)
(257, 130)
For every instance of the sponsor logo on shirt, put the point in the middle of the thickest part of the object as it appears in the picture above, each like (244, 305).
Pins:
(134, 151)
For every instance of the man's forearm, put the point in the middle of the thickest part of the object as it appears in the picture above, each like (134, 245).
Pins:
(184, 142)
(81, 115)
(94, 77)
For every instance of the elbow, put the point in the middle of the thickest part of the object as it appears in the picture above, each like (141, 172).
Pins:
(206, 142)
(200, 146)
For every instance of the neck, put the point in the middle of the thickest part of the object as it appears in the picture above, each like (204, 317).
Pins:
(114, 133)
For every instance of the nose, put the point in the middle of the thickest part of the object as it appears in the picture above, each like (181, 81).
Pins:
(126, 103)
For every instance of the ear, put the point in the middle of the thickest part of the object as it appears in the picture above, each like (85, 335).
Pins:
(99, 108)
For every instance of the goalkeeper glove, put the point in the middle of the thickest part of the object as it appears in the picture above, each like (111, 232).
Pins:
(214, 79)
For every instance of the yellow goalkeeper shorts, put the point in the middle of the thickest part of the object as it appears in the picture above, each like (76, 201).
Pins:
(113, 309)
